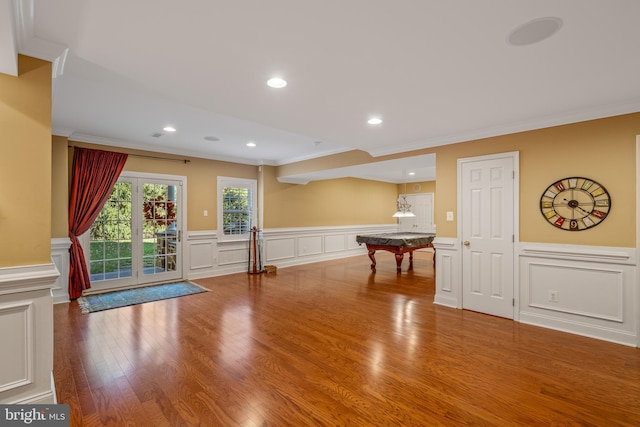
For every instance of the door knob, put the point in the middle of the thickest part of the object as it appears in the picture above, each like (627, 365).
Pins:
(466, 243)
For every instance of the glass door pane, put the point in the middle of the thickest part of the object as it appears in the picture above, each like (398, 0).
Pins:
(160, 230)
(110, 237)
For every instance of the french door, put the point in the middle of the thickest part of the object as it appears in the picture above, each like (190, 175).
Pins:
(137, 238)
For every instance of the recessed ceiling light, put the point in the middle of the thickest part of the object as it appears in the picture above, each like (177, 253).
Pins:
(277, 82)
(169, 129)
(211, 138)
(251, 144)
(534, 31)
(374, 121)
(412, 173)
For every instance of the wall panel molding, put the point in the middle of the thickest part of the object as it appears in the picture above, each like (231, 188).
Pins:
(60, 257)
(282, 247)
(26, 319)
(18, 344)
(585, 290)
(448, 283)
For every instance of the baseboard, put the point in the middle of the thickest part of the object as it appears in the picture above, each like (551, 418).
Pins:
(46, 398)
(579, 328)
(445, 301)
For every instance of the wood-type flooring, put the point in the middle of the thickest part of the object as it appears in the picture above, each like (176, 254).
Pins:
(333, 344)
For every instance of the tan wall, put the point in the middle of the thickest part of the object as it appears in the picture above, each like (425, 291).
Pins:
(346, 201)
(323, 203)
(349, 158)
(59, 187)
(424, 187)
(25, 164)
(202, 176)
(603, 150)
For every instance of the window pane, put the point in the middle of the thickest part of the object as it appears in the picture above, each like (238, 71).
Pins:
(236, 210)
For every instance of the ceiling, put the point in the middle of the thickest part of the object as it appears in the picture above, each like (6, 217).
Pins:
(435, 72)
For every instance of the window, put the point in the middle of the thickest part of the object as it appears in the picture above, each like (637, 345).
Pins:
(237, 208)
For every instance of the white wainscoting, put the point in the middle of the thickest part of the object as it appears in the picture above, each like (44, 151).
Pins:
(586, 290)
(26, 322)
(60, 257)
(448, 284)
(282, 247)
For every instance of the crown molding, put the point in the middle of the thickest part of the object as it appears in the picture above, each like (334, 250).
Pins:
(569, 117)
(30, 45)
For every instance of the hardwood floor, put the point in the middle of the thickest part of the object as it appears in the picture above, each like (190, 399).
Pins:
(333, 344)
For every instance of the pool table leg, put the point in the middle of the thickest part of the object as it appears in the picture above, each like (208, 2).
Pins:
(372, 257)
(399, 262)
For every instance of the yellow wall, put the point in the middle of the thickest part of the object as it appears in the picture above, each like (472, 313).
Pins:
(25, 164)
(345, 201)
(417, 187)
(202, 175)
(603, 150)
(324, 203)
(333, 161)
(59, 187)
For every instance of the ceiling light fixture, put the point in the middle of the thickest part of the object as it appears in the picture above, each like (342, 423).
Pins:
(374, 121)
(277, 82)
(169, 129)
(251, 144)
(534, 31)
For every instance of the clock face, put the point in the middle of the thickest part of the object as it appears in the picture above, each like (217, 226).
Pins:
(575, 204)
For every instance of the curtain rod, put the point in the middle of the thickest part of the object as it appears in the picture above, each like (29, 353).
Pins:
(142, 156)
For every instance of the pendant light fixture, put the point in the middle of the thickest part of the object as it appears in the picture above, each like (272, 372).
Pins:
(403, 206)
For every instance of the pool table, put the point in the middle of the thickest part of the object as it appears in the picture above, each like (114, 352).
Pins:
(397, 243)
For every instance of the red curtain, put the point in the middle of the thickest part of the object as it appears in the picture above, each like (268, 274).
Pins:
(94, 174)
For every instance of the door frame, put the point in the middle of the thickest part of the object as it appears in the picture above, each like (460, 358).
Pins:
(515, 155)
(182, 180)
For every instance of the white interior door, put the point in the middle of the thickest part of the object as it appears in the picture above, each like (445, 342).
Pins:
(487, 220)
(422, 207)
